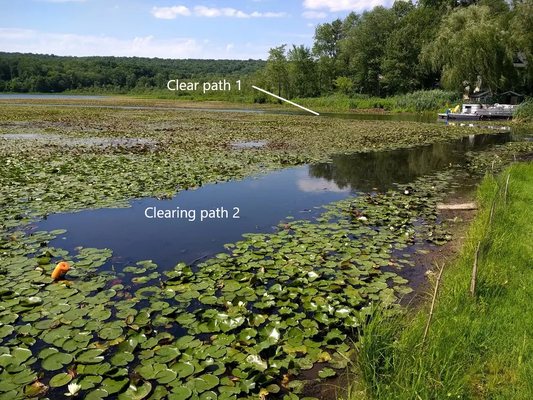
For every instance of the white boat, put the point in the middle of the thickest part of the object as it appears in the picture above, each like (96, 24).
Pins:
(478, 112)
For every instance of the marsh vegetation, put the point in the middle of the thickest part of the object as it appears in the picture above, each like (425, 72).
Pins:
(241, 323)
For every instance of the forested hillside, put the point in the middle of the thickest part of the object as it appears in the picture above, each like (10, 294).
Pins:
(47, 73)
(448, 44)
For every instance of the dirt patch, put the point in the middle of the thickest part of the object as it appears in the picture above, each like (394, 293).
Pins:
(457, 223)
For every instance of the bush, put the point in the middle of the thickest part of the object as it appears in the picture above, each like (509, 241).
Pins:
(426, 100)
(524, 112)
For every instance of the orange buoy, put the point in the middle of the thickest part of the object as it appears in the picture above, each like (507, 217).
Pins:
(60, 270)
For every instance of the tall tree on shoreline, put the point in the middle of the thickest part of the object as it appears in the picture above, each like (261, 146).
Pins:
(471, 43)
(277, 69)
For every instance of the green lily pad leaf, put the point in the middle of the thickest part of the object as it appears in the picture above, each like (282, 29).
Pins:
(122, 358)
(21, 354)
(6, 360)
(23, 377)
(136, 392)
(180, 393)
(100, 314)
(147, 371)
(166, 354)
(160, 392)
(296, 386)
(89, 382)
(31, 301)
(326, 373)
(6, 330)
(205, 382)
(46, 352)
(60, 380)
(273, 388)
(56, 361)
(91, 356)
(97, 394)
(110, 332)
(165, 376)
(112, 386)
(183, 369)
(231, 286)
(209, 395)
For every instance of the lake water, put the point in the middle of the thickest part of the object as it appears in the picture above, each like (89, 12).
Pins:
(263, 202)
(45, 96)
(416, 117)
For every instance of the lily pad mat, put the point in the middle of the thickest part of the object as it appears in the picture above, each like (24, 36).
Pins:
(243, 322)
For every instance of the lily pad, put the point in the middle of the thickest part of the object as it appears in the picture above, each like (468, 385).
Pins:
(92, 356)
(60, 380)
(56, 361)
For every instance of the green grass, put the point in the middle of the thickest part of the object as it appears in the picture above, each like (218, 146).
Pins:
(478, 347)
(420, 101)
(524, 112)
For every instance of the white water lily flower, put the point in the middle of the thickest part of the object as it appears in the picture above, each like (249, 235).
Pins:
(73, 389)
(312, 274)
(274, 334)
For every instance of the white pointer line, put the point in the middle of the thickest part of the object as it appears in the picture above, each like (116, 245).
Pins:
(288, 101)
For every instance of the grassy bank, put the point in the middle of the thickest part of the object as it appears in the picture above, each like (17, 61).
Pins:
(477, 347)
(524, 112)
(419, 101)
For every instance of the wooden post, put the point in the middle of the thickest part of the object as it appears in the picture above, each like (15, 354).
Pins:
(474, 271)
(437, 283)
(506, 188)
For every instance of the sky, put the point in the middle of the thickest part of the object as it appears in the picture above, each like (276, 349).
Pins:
(224, 29)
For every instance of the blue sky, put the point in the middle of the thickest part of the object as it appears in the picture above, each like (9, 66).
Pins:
(228, 29)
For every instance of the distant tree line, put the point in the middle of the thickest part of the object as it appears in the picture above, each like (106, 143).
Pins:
(48, 73)
(435, 43)
(449, 44)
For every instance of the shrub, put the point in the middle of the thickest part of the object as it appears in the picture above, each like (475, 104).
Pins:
(524, 112)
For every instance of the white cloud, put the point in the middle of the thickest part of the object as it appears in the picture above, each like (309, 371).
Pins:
(170, 12)
(314, 14)
(345, 5)
(210, 12)
(67, 44)
(31, 41)
(319, 185)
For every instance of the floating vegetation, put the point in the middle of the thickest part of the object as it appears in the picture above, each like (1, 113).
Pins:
(249, 145)
(245, 321)
(497, 158)
(243, 324)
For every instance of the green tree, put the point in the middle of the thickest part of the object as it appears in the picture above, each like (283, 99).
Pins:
(472, 42)
(364, 48)
(327, 49)
(277, 69)
(344, 84)
(522, 40)
(302, 72)
(401, 67)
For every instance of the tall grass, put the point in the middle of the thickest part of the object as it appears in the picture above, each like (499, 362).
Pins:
(524, 112)
(478, 347)
(419, 101)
